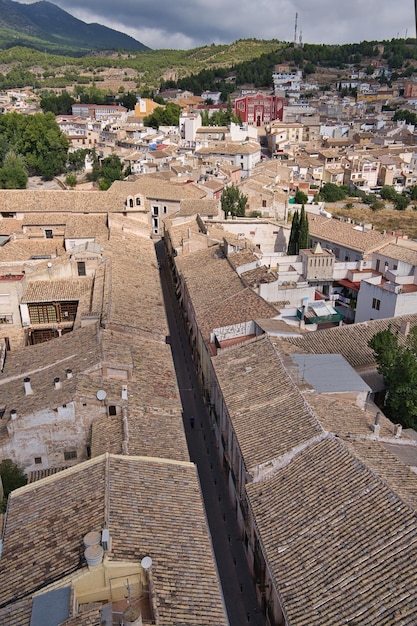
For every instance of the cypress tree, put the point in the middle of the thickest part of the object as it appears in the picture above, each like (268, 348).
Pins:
(294, 234)
(303, 232)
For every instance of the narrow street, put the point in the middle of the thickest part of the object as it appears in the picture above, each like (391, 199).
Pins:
(237, 584)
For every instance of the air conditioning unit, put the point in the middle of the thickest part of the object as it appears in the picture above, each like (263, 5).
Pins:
(106, 540)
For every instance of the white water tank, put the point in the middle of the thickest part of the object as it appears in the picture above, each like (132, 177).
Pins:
(92, 538)
(94, 555)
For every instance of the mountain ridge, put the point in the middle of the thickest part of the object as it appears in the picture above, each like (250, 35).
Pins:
(44, 26)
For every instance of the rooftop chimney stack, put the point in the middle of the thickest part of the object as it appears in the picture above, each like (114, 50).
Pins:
(28, 388)
(398, 429)
(376, 426)
(69, 373)
(57, 383)
(405, 327)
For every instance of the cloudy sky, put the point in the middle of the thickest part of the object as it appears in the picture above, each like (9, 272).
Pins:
(184, 24)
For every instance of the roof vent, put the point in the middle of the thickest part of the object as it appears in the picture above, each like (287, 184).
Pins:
(94, 555)
(57, 383)
(13, 414)
(92, 538)
(69, 373)
(28, 388)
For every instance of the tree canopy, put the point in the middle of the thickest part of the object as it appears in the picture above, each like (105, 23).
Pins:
(37, 139)
(12, 477)
(164, 116)
(398, 366)
(107, 171)
(332, 193)
(233, 201)
(299, 235)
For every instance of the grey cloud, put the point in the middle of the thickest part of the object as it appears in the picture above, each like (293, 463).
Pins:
(191, 23)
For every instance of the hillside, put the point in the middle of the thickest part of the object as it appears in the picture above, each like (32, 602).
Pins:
(44, 26)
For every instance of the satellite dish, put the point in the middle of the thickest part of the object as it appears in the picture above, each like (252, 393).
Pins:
(101, 394)
(146, 562)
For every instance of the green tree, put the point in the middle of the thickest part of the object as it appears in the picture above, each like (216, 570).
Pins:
(164, 116)
(12, 477)
(76, 160)
(398, 366)
(106, 172)
(301, 197)
(294, 234)
(332, 193)
(401, 201)
(233, 201)
(58, 105)
(71, 180)
(388, 193)
(303, 233)
(43, 145)
(13, 172)
(129, 100)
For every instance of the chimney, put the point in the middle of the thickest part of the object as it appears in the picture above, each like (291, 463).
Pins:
(57, 383)
(398, 429)
(376, 427)
(13, 414)
(28, 388)
(405, 327)
(69, 373)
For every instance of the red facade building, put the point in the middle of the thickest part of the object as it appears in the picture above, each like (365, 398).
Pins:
(259, 109)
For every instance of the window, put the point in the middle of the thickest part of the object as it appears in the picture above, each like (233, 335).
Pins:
(131, 202)
(81, 268)
(137, 201)
(376, 304)
(264, 203)
(38, 460)
(155, 210)
(69, 456)
(165, 209)
(112, 410)
(48, 233)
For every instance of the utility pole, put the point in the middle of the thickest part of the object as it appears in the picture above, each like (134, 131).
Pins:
(415, 14)
(295, 26)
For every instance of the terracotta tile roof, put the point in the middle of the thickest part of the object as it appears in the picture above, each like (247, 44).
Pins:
(400, 253)
(134, 272)
(149, 507)
(107, 435)
(351, 341)
(268, 413)
(203, 207)
(22, 250)
(48, 219)
(221, 298)
(229, 148)
(56, 290)
(81, 226)
(340, 543)
(344, 234)
(18, 614)
(42, 363)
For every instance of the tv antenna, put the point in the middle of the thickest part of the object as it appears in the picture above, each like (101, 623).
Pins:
(295, 27)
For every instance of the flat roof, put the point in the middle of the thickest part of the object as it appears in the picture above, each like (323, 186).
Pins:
(328, 373)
